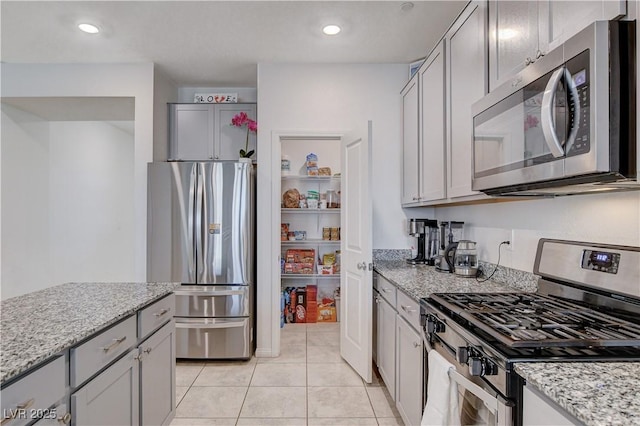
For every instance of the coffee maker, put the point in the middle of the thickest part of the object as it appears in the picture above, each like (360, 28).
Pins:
(450, 234)
(426, 230)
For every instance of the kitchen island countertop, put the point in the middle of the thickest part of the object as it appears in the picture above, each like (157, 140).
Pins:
(37, 326)
(419, 281)
(596, 393)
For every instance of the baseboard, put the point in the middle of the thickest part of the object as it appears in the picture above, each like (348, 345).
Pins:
(265, 353)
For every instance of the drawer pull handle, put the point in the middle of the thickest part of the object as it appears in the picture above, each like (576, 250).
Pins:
(115, 343)
(386, 290)
(65, 420)
(406, 308)
(416, 344)
(19, 410)
(161, 313)
(147, 351)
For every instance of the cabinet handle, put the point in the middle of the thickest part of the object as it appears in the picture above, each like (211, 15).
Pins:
(138, 358)
(148, 350)
(386, 290)
(528, 61)
(416, 344)
(19, 410)
(377, 299)
(406, 308)
(539, 54)
(162, 312)
(115, 343)
(65, 420)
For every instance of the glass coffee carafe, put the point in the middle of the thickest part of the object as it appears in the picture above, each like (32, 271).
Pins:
(465, 261)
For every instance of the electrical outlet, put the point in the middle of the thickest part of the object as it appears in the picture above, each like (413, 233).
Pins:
(512, 240)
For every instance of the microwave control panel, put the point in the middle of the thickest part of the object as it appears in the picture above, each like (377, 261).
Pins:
(579, 68)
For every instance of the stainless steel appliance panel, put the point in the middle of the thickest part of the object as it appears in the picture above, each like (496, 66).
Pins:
(212, 301)
(213, 338)
(224, 223)
(171, 207)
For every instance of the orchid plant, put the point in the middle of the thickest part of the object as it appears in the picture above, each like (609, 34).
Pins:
(241, 120)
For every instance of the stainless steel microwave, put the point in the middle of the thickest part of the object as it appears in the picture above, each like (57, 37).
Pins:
(566, 124)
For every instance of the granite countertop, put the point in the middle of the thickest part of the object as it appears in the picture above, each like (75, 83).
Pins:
(596, 393)
(419, 281)
(39, 325)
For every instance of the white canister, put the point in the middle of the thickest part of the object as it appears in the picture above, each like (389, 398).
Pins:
(285, 165)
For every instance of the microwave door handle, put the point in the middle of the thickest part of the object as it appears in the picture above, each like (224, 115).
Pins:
(575, 100)
(547, 114)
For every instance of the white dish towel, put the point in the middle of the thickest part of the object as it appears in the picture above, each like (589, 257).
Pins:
(442, 394)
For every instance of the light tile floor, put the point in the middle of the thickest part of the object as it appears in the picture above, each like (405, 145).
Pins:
(308, 384)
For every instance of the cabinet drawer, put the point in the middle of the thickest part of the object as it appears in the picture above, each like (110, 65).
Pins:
(96, 353)
(34, 393)
(154, 315)
(386, 290)
(409, 309)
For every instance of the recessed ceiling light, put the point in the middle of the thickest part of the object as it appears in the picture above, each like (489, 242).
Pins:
(89, 28)
(331, 29)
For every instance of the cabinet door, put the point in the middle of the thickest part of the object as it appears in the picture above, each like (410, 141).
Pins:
(410, 373)
(157, 376)
(560, 20)
(229, 139)
(191, 132)
(513, 37)
(537, 411)
(410, 142)
(111, 398)
(467, 83)
(387, 345)
(374, 314)
(432, 126)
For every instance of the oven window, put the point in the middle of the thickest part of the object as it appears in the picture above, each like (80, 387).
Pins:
(473, 411)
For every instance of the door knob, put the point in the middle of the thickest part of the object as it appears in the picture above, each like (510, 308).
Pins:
(362, 266)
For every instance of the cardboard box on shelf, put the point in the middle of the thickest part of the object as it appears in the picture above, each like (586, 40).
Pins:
(301, 256)
(312, 303)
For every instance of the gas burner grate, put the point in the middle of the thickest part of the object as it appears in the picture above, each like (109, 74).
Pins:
(521, 320)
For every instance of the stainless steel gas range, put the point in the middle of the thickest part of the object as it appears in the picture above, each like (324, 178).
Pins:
(587, 308)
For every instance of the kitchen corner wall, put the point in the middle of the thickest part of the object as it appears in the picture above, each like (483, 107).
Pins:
(607, 218)
(327, 98)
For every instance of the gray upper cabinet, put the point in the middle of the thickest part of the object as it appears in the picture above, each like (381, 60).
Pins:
(520, 32)
(201, 132)
(467, 75)
(424, 131)
(410, 142)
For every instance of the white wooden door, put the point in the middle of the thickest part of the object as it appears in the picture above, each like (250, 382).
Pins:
(356, 281)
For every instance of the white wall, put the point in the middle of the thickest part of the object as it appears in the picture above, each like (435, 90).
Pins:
(608, 218)
(329, 98)
(95, 80)
(68, 211)
(25, 203)
(164, 91)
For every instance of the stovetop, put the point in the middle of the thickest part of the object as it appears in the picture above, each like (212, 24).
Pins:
(529, 320)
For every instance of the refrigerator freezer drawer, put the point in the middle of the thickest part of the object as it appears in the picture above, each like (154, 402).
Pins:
(213, 338)
(212, 301)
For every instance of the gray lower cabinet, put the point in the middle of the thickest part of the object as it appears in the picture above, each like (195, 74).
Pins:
(112, 397)
(409, 373)
(139, 388)
(157, 388)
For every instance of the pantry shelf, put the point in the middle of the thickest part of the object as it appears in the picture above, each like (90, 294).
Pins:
(312, 178)
(311, 242)
(310, 276)
(311, 211)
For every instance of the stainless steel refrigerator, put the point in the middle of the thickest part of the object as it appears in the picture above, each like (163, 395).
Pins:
(200, 233)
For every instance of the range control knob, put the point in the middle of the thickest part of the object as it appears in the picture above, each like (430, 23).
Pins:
(434, 326)
(482, 367)
(463, 354)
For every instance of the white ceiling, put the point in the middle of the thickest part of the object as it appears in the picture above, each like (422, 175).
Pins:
(220, 43)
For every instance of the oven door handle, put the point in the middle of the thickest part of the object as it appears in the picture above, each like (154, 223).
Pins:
(547, 113)
(498, 406)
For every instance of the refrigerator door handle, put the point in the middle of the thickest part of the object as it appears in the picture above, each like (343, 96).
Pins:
(197, 230)
(190, 216)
